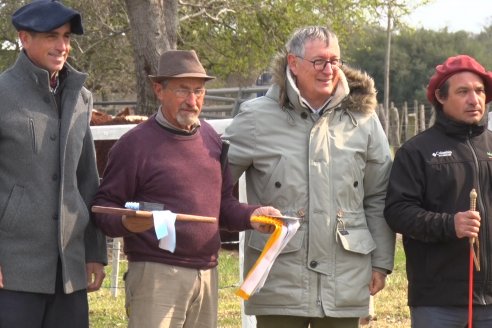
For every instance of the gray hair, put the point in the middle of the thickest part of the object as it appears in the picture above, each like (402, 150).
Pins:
(300, 36)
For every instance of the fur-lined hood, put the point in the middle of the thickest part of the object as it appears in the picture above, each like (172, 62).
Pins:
(362, 96)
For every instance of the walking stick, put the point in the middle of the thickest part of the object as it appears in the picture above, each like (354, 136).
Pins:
(148, 214)
(474, 261)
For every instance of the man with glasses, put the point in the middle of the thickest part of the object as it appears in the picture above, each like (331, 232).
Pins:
(176, 160)
(313, 147)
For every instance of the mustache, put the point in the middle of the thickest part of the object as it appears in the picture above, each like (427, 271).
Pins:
(190, 108)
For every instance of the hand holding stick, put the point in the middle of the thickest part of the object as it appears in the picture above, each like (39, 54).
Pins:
(474, 241)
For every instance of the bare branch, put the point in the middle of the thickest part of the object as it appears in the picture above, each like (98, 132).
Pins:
(206, 9)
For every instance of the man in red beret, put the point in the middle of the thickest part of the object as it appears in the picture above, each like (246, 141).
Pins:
(428, 200)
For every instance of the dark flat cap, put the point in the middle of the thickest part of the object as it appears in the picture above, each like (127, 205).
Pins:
(179, 63)
(46, 16)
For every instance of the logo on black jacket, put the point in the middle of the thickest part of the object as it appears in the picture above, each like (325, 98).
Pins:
(445, 153)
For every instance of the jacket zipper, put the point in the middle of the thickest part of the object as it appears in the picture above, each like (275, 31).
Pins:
(482, 209)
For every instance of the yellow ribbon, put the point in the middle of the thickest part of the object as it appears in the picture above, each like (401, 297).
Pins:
(271, 241)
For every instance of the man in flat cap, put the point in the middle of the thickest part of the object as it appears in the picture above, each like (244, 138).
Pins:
(51, 253)
(177, 160)
(428, 200)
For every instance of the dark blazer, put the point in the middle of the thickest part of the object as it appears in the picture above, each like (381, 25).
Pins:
(48, 178)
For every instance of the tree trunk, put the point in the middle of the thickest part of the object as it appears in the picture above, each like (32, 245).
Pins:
(154, 25)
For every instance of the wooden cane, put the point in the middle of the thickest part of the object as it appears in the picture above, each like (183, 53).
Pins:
(148, 214)
(474, 260)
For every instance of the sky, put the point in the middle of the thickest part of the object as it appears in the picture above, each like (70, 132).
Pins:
(468, 15)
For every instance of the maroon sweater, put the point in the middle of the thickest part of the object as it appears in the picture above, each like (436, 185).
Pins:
(183, 172)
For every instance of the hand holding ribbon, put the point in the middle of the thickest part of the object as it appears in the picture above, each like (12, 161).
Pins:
(284, 230)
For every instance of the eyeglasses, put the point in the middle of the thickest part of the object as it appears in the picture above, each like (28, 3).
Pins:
(320, 64)
(185, 93)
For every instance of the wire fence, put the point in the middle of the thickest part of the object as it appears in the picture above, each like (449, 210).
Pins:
(116, 258)
(400, 121)
(219, 103)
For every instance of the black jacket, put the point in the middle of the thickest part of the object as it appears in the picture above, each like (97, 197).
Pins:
(431, 179)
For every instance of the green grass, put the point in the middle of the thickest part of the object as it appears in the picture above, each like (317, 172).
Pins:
(391, 310)
(391, 303)
(106, 311)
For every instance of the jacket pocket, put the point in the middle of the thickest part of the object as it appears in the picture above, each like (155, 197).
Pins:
(286, 281)
(11, 209)
(258, 240)
(33, 135)
(353, 233)
(353, 260)
(356, 240)
(353, 268)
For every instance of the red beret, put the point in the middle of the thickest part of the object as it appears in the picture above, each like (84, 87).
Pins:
(456, 64)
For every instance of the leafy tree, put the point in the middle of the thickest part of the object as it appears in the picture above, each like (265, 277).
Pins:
(394, 11)
(236, 40)
(10, 47)
(104, 50)
(238, 43)
(415, 54)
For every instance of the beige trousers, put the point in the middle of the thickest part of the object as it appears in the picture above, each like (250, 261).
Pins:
(166, 296)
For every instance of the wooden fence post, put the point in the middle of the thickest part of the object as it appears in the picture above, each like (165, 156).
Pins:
(115, 264)
(394, 131)
(382, 118)
(421, 118)
(237, 103)
(432, 119)
(404, 122)
(416, 114)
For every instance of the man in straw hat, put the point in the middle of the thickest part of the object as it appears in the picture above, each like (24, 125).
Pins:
(51, 253)
(177, 160)
(428, 200)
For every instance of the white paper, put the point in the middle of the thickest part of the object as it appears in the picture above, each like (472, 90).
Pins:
(164, 224)
(256, 279)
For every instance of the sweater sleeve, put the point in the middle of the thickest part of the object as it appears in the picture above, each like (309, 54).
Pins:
(117, 187)
(234, 216)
